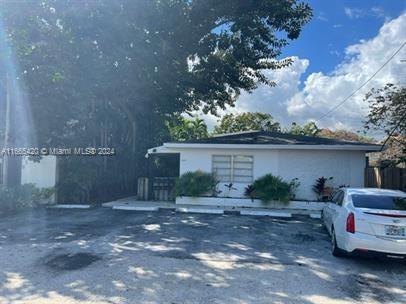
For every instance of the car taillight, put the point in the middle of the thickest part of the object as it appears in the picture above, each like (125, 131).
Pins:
(350, 223)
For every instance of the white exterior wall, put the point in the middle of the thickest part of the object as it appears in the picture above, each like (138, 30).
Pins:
(42, 174)
(346, 167)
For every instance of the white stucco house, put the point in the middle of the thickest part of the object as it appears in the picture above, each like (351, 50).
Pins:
(41, 173)
(240, 158)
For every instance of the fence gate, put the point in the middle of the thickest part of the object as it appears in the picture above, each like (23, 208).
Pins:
(162, 188)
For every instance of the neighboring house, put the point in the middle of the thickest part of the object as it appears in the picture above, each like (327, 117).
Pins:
(240, 158)
(42, 174)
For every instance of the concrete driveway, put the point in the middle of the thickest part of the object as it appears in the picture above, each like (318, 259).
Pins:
(108, 256)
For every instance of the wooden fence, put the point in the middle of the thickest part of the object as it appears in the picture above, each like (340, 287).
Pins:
(387, 178)
(162, 188)
(156, 188)
(1, 170)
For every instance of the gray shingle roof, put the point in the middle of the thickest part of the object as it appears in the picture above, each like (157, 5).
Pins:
(273, 138)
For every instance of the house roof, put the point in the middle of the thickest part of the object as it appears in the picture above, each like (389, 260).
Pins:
(264, 140)
(273, 138)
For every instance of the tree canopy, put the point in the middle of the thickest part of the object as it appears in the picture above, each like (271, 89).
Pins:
(387, 113)
(344, 135)
(247, 121)
(387, 110)
(311, 129)
(135, 58)
(308, 129)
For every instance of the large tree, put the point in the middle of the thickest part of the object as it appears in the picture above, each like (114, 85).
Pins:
(110, 73)
(387, 114)
(247, 121)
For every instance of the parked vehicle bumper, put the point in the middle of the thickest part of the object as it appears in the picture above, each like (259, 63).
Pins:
(361, 242)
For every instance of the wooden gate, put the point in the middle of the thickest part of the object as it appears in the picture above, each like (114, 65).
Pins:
(387, 178)
(162, 188)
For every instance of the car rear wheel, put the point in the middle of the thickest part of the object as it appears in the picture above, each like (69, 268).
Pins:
(337, 252)
(322, 220)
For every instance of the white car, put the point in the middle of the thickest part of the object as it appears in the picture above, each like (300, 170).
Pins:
(366, 220)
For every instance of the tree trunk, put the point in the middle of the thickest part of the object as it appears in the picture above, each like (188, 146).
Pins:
(12, 164)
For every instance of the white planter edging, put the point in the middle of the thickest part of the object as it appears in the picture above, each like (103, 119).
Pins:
(265, 213)
(70, 206)
(246, 202)
(218, 201)
(199, 210)
(135, 208)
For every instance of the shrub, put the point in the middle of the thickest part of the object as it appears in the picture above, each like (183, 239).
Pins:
(248, 191)
(293, 185)
(269, 188)
(24, 196)
(197, 183)
(322, 189)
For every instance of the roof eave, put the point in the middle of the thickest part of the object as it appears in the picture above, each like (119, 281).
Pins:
(369, 148)
(160, 150)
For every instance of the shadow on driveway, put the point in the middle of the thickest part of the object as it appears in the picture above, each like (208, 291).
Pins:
(106, 256)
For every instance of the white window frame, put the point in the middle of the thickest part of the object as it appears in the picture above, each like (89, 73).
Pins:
(232, 167)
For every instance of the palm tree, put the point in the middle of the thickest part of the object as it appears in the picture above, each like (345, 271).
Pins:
(198, 128)
(189, 129)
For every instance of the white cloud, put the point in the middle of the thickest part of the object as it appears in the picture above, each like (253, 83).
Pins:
(322, 92)
(335, 53)
(270, 99)
(357, 13)
(322, 16)
(292, 101)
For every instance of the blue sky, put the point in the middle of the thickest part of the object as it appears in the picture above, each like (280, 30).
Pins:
(337, 24)
(344, 44)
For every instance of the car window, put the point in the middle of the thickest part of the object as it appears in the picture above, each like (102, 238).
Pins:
(340, 198)
(335, 196)
(384, 202)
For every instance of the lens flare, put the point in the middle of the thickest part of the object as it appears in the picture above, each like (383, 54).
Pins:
(21, 124)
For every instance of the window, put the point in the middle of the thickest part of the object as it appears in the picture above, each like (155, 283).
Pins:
(338, 198)
(242, 169)
(222, 167)
(384, 202)
(233, 168)
(334, 199)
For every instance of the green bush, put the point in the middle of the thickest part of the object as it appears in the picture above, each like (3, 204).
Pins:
(195, 184)
(249, 190)
(271, 188)
(293, 186)
(24, 196)
(322, 189)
